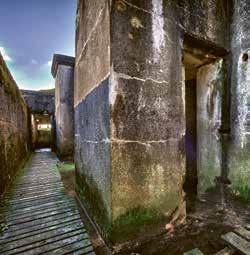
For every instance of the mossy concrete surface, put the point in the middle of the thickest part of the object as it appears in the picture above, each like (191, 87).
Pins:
(240, 173)
(15, 130)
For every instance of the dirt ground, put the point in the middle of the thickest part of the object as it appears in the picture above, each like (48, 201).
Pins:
(202, 230)
(212, 217)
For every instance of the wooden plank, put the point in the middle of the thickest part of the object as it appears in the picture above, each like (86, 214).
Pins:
(13, 234)
(80, 247)
(38, 202)
(9, 217)
(35, 188)
(30, 184)
(31, 240)
(37, 231)
(244, 233)
(33, 175)
(226, 251)
(40, 221)
(30, 193)
(47, 245)
(35, 196)
(40, 216)
(36, 207)
(237, 242)
(195, 251)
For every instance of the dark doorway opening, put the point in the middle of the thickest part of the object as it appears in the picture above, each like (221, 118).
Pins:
(202, 110)
(191, 181)
(191, 141)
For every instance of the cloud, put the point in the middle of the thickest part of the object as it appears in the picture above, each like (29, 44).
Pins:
(49, 63)
(34, 62)
(6, 57)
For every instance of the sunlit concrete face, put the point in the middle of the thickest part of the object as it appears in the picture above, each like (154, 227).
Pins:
(63, 72)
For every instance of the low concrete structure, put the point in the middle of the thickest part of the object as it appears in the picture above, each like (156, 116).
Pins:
(40, 101)
(15, 128)
(63, 72)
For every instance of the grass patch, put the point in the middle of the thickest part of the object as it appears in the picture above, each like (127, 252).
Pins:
(242, 191)
(67, 173)
(65, 167)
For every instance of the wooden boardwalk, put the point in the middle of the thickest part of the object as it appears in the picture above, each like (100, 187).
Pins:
(37, 217)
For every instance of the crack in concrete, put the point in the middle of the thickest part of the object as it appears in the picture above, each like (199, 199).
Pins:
(145, 143)
(90, 35)
(136, 7)
(128, 77)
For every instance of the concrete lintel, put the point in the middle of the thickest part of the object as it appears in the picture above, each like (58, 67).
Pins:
(61, 60)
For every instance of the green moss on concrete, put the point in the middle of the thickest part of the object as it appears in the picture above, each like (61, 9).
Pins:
(240, 175)
(136, 216)
(128, 225)
(239, 171)
(92, 199)
(206, 178)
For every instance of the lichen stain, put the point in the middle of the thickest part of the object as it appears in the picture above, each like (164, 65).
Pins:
(130, 36)
(120, 6)
(136, 23)
(118, 110)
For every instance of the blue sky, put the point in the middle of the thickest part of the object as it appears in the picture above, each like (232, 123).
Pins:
(31, 31)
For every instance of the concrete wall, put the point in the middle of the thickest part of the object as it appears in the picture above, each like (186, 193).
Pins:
(129, 107)
(14, 127)
(34, 136)
(63, 72)
(91, 99)
(239, 160)
(210, 83)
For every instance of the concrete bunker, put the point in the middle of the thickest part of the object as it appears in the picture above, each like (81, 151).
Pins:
(204, 76)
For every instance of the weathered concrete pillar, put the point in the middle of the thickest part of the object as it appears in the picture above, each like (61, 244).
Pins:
(63, 72)
(239, 167)
(129, 117)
